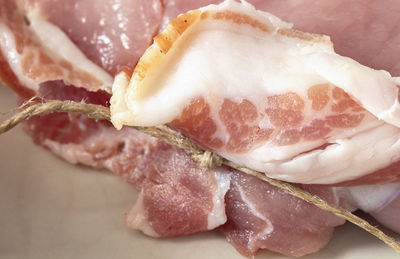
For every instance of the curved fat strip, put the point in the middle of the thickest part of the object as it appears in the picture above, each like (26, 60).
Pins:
(52, 38)
(37, 51)
(299, 108)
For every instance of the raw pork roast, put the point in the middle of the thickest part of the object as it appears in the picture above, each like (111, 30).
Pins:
(70, 50)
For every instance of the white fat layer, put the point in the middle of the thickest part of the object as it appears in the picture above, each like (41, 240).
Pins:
(375, 90)
(217, 216)
(373, 198)
(118, 106)
(217, 60)
(216, 65)
(269, 227)
(9, 50)
(61, 47)
(358, 156)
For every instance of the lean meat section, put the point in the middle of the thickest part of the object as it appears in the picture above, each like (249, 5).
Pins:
(67, 50)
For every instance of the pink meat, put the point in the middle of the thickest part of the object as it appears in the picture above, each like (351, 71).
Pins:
(167, 177)
(261, 216)
(178, 197)
(110, 33)
(79, 139)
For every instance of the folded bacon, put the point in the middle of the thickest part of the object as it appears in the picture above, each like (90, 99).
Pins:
(245, 84)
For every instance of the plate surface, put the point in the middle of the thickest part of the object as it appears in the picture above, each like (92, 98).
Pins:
(51, 209)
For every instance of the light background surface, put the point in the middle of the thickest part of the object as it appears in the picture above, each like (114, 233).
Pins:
(51, 209)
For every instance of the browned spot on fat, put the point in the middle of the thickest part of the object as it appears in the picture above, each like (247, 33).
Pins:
(141, 69)
(164, 42)
(319, 96)
(292, 33)
(239, 18)
(166, 39)
(184, 21)
(66, 65)
(205, 15)
(125, 69)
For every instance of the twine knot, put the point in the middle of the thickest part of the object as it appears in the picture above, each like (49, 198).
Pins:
(208, 159)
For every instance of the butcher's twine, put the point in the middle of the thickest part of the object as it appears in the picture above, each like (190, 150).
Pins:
(204, 158)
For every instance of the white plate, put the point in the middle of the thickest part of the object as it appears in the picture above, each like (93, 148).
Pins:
(51, 209)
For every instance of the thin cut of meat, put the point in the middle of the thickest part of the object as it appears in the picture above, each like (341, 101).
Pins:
(178, 197)
(66, 50)
(110, 33)
(292, 109)
(261, 216)
(37, 51)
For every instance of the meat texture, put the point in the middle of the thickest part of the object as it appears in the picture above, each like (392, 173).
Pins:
(67, 50)
(292, 109)
(36, 51)
(110, 33)
(261, 216)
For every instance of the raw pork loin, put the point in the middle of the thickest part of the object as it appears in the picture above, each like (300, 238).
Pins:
(68, 50)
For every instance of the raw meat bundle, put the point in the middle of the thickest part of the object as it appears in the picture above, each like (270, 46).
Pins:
(70, 50)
